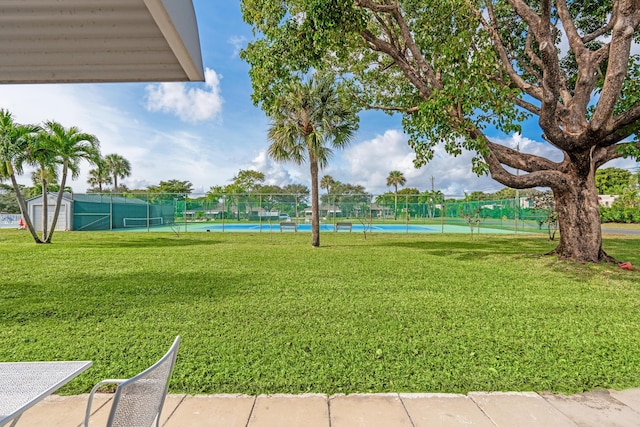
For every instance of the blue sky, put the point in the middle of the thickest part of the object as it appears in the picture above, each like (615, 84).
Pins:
(206, 132)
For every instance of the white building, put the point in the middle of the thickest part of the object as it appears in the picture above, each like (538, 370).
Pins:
(606, 200)
(65, 217)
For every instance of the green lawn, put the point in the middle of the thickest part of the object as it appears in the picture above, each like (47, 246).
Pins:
(267, 313)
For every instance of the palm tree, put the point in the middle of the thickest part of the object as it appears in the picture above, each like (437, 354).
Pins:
(327, 182)
(42, 155)
(100, 175)
(396, 178)
(70, 146)
(308, 120)
(14, 139)
(119, 167)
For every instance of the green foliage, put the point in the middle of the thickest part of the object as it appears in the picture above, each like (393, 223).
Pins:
(270, 314)
(613, 180)
(246, 181)
(171, 186)
(119, 167)
(8, 200)
(620, 214)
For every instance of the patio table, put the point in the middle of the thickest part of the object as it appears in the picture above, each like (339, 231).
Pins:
(23, 384)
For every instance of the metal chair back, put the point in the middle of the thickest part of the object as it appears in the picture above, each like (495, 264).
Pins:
(138, 401)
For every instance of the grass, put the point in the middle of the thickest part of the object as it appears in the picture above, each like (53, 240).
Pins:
(267, 313)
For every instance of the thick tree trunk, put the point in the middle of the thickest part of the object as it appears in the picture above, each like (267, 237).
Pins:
(315, 208)
(579, 221)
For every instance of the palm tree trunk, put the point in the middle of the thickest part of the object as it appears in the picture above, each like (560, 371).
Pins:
(45, 205)
(315, 208)
(23, 205)
(56, 212)
(115, 184)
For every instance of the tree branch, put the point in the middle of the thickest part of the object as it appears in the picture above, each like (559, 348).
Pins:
(550, 110)
(379, 45)
(627, 118)
(619, 50)
(408, 110)
(575, 41)
(376, 7)
(522, 161)
(527, 106)
(531, 90)
(603, 155)
(604, 29)
(544, 178)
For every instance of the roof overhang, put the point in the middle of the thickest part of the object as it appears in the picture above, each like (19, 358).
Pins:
(73, 41)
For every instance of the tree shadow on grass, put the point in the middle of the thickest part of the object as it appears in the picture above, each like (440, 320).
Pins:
(155, 242)
(477, 249)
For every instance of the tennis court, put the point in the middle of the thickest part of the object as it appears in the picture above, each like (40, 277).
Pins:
(325, 228)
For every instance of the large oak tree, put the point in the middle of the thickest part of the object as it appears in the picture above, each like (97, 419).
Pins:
(457, 68)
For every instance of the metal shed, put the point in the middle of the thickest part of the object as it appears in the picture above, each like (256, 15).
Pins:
(65, 218)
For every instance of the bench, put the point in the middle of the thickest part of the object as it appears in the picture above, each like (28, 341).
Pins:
(288, 226)
(343, 226)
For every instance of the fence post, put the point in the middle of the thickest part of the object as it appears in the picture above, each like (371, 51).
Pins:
(406, 211)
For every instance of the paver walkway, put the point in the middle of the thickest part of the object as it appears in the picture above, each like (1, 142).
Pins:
(602, 408)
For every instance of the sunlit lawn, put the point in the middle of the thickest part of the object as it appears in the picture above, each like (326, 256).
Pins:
(267, 313)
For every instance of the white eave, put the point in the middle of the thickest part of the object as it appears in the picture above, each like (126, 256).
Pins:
(73, 41)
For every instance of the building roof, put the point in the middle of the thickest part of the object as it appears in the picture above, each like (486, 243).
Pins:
(58, 41)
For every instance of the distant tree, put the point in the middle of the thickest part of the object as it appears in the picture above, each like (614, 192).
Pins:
(299, 189)
(8, 199)
(613, 180)
(431, 199)
(505, 193)
(99, 176)
(215, 193)
(247, 181)
(477, 195)
(394, 179)
(270, 189)
(173, 186)
(297, 195)
(545, 202)
(119, 167)
(51, 177)
(327, 182)
(345, 191)
(410, 191)
(307, 121)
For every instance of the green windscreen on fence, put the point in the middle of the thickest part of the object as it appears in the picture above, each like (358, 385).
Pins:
(139, 210)
(106, 212)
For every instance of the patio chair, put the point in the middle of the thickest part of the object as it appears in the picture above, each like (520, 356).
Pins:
(138, 401)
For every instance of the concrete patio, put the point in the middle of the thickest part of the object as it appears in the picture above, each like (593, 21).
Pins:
(599, 408)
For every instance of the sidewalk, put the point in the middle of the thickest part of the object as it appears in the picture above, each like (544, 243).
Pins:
(600, 408)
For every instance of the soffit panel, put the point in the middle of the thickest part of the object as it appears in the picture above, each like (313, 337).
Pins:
(46, 41)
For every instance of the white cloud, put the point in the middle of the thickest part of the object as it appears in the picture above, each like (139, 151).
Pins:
(181, 153)
(280, 174)
(190, 104)
(238, 42)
